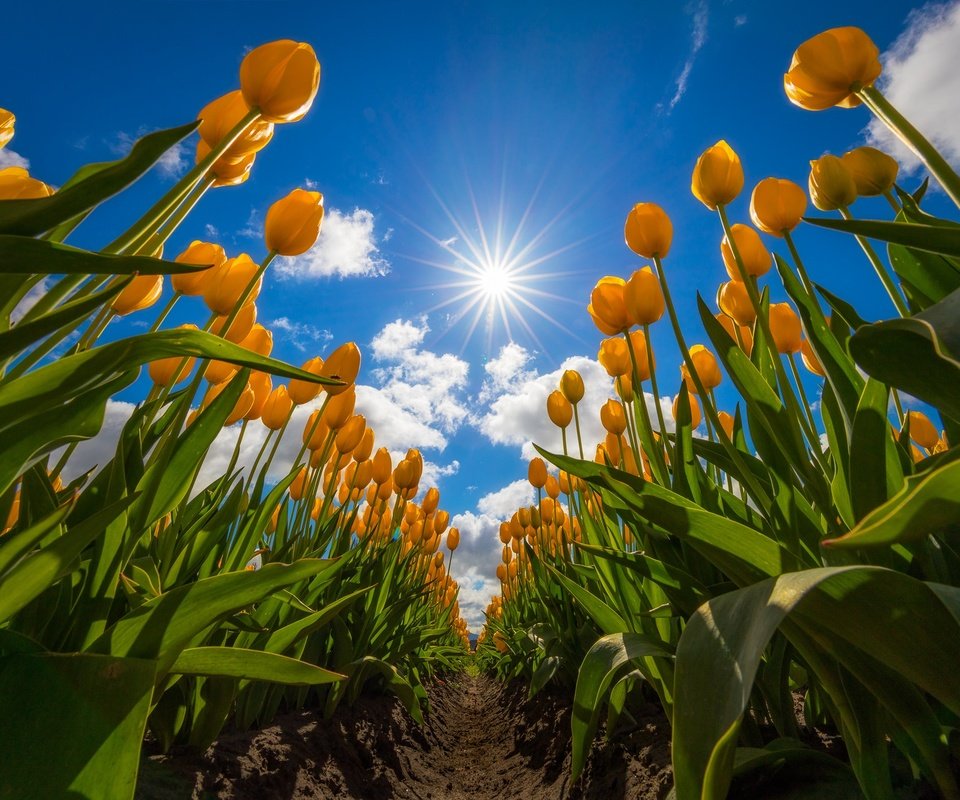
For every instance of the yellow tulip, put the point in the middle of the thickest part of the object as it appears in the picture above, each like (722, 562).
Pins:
(240, 408)
(810, 360)
(537, 473)
(227, 171)
(830, 184)
(192, 283)
(349, 436)
(343, 364)
(228, 282)
(726, 422)
(299, 485)
(240, 327)
(363, 450)
(7, 122)
(293, 223)
(404, 476)
(276, 409)
(734, 301)
(382, 466)
(746, 334)
(280, 79)
(571, 384)
(695, 412)
(162, 370)
(648, 231)
(219, 117)
(16, 184)
(453, 539)
(142, 292)
(262, 386)
(922, 430)
(718, 176)
(639, 343)
(873, 171)
(624, 387)
(754, 256)
(612, 417)
(559, 409)
(785, 328)
(614, 357)
(259, 340)
(830, 68)
(706, 366)
(219, 371)
(315, 431)
(777, 205)
(643, 297)
(607, 306)
(339, 408)
(302, 391)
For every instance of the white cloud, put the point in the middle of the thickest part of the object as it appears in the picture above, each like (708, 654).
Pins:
(475, 562)
(211, 231)
(505, 370)
(347, 247)
(920, 78)
(698, 38)
(740, 20)
(502, 503)
(253, 228)
(300, 334)
(30, 298)
(397, 427)
(9, 158)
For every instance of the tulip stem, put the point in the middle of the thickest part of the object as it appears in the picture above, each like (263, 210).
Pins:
(657, 463)
(885, 111)
(801, 270)
(166, 310)
(651, 363)
(792, 358)
(150, 244)
(880, 269)
(576, 423)
(313, 428)
(892, 201)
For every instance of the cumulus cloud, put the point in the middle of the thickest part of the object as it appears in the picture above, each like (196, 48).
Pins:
(347, 247)
(300, 334)
(921, 79)
(9, 158)
(505, 370)
(502, 503)
(475, 562)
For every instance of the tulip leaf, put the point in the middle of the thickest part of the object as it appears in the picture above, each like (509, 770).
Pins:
(928, 503)
(874, 469)
(605, 659)
(928, 277)
(236, 662)
(33, 217)
(26, 256)
(97, 704)
(929, 238)
(608, 620)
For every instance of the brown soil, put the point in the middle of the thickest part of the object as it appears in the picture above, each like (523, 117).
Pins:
(481, 740)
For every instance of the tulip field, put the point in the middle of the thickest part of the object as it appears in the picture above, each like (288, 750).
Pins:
(778, 576)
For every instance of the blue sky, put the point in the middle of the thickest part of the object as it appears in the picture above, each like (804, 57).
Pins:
(434, 115)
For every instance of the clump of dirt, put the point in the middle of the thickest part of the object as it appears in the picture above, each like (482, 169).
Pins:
(482, 740)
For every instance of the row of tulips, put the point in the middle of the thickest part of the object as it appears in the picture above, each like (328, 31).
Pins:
(136, 595)
(730, 561)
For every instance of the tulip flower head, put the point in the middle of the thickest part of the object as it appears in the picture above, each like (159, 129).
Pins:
(559, 409)
(7, 123)
(293, 223)
(607, 306)
(777, 206)
(16, 184)
(229, 281)
(276, 409)
(613, 418)
(639, 344)
(830, 68)
(706, 366)
(537, 473)
(830, 184)
(227, 171)
(571, 384)
(695, 413)
(162, 370)
(262, 385)
(648, 231)
(922, 430)
(218, 119)
(726, 422)
(785, 328)
(343, 364)
(614, 356)
(810, 360)
(142, 292)
(754, 257)
(718, 176)
(280, 79)
(732, 329)
(643, 297)
(873, 171)
(734, 301)
(200, 253)
(302, 391)
(240, 327)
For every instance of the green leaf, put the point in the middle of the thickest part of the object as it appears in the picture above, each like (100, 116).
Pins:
(608, 656)
(237, 662)
(33, 217)
(608, 620)
(97, 704)
(875, 471)
(26, 256)
(929, 238)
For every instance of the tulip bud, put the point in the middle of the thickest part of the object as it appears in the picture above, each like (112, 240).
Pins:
(559, 409)
(404, 476)
(552, 487)
(276, 409)
(830, 68)
(16, 184)
(430, 500)
(302, 391)
(785, 328)
(7, 121)
(726, 422)
(639, 344)
(343, 364)
(734, 301)
(611, 444)
(873, 171)
(706, 366)
(777, 206)
(624, 386)
(161, 371)
(218, 119)
(754, 256)
(571, 384)
(240, 408)
(299, 485)
(280, 79)
(614, 357)
(537, 473)
(315, 432)
(382, 466)
(192, 283)
(142, 292)
(643, 297)
(226, 171)
(293, 223)
(648, 231)
(261, 384)
(239, 328)
(339, 409)
(922, 430)
(350, 434)
(613, 418)
(363, 450)
(810, 360)
(453, 539)
(694, 410)
(831, 185)
(607, 306)
(229, 281)
(733, 330)
(219, 371)
(718, 176)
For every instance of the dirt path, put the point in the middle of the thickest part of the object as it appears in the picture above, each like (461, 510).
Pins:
(482, 741)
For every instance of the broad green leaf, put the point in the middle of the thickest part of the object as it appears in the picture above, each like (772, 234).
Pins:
(875, 471)
(24, 255)
(236, 662)
(930, 238)
(608, 620)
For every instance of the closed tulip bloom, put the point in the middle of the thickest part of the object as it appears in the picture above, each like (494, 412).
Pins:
(382, 466)
(192, 283)
(831, 185)
(219, 117)
(262, 386)
(240, 327)
(571, 384)
(364, 450)
(922, 430)
(404, 476)
(228, 281)
(276, 409)
(242, 406)
(162, 370)
(537, 473)
(299, 485)
(431, 499)
(293, 223)
(706, 366)
(873, 171)
(718, 176)
(624, 388)
(16, 184)
(810, 360)
(755, 257)
(695, 413)
(639, 343)
(414, 455)
(643, 297)
(227, 171)
(777, 205)
(339, 408)
(830, 68)
(302, 391)
(785, 328)
(453, 539)
(142, 292)
(607, 307)
(734, 301)
(259, 340)
(7, 122)
(343, 364)
(746, 335)
(726, 422)
(648, 231)
(350, 434)
(219, 371)
(614, 357)
(315, 432)
(559, 409)
(612, 417)
(280, 79)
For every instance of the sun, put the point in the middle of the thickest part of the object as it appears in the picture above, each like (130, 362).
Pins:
(494, 280)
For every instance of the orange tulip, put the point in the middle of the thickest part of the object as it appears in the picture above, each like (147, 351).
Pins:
(718, 176)
(162, 370)
(192, 283)
(613, 418)
(229, 281)
(343, 364)
(302, 391)
(142, 292)
(537, 473)
(734, 301)
(643, 297)
(607, 306)
(810, 360)
(829, 69)
(785, 328)
(262, 386)
(648, 231)
(280, 79)
(571, 385)
(276, 409)
(240, 327)
(559, 409)
(293, 223)
(706, 366)
(219, 117)
(755, 257)
(16, 184)
(614, 357)
(777, 206)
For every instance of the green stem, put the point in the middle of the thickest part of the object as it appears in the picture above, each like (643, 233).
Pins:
(792, 358)
(164, 312)
(576, 423)
(150, 244)
(880, 269)
(651, 365)
(801, 271)
(657, 463)
(884, 110)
